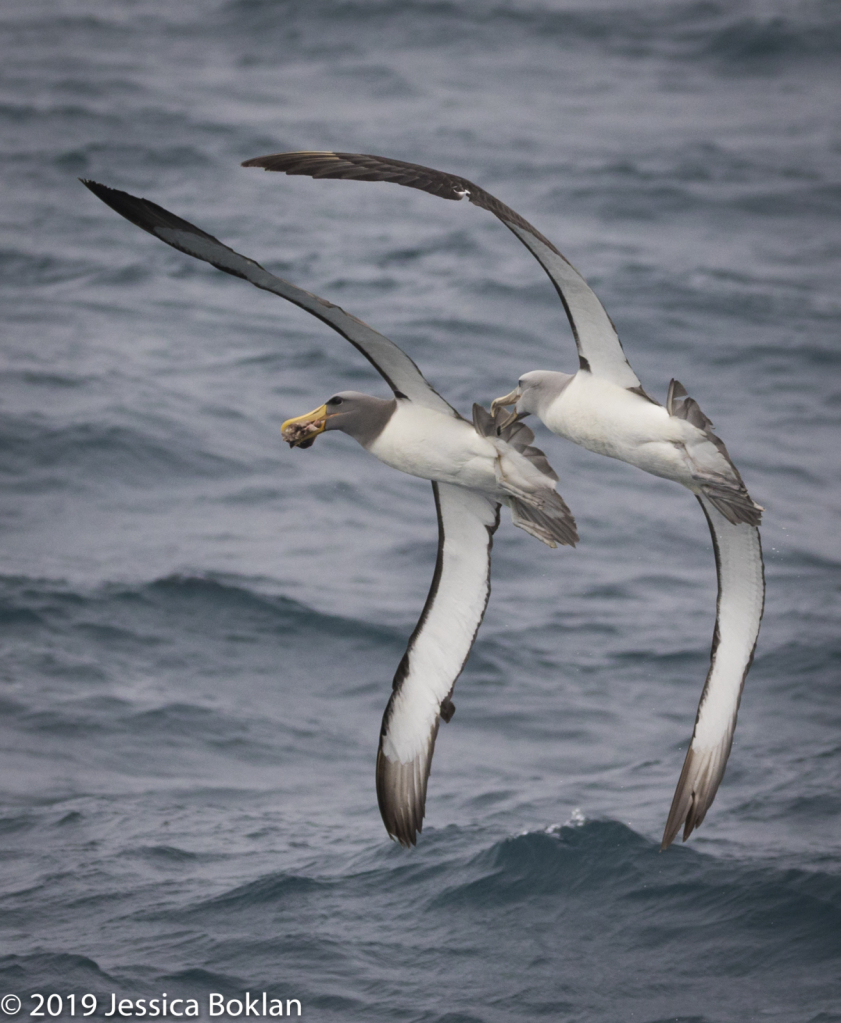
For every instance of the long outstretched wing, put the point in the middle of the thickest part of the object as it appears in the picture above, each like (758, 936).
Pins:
(395, 367)
(599, 348)
(435, 656)
(741, 599)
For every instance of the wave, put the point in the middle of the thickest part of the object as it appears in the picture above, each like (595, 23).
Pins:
(577, 881)
(38, 453)
(65, 972)
(743, 37)
(586, 859)
(116, 612)
(608, 858)
(738, 38)
(22, 269)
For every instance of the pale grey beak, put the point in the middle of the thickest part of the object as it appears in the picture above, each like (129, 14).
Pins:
(504, 402)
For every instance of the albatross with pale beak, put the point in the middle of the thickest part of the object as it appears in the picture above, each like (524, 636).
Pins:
(604, 408)
(474, 467)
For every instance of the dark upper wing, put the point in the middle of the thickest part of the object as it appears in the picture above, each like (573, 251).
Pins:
(595, 335)
(396, 368)
(741, 598)
(435, 656)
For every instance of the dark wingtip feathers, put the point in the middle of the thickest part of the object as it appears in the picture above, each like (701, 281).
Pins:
(401, 795)
(283, 162)
(138, 211)
(401, 788)
(145, 214)
(367, 167)
(696, 789)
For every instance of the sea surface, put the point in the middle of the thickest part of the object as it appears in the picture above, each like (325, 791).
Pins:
(200, 626)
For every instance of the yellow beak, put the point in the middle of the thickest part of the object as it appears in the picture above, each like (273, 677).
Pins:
(504, 402)
(301, 431)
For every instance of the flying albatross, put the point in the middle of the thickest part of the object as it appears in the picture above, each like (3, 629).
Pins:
(604, 408)
(474, 467)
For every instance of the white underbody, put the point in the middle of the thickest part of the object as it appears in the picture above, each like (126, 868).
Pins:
(613, 421)
(435, 446)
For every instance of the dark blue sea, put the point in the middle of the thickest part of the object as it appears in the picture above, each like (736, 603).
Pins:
(200, 626)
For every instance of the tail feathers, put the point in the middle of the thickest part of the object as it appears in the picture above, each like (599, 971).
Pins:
(521, 476)
(517, 434)
(535, 505)
(702, 772)
(727, 493)
(539, 460)
(732, 500)
(679, 404)
(553, 524)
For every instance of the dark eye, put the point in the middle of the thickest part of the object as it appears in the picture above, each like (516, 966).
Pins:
(335, 401)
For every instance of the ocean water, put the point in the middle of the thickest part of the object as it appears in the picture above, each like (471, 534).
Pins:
(200, 626)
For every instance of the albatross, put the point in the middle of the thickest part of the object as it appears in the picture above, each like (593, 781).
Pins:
(474, 467)
(604, 408)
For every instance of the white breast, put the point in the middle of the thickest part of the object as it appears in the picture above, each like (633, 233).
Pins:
(616, 422)
(436, 446)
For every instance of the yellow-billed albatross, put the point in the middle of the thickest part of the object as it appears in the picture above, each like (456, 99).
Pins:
(474, 467)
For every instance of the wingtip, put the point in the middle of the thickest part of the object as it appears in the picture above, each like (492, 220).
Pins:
(140, 212)
(278, 161)
(405, 839)
(401, 795)
(123, 203)
(404, 832)
(95, 187)
(671, 833)
(696, 789)
(256, 161)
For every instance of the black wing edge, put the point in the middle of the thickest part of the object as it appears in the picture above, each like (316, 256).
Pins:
(148, 216)
(367, 167)
(703, 771)
(401, 788)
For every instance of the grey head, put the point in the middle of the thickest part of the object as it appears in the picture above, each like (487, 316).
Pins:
(361, 416)
(534, 393)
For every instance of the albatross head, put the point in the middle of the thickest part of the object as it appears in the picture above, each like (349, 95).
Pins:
(361, 416)
(534, 393)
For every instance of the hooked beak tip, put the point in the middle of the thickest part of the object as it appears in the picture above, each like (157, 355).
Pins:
(301, 431)
(512, 417)
(504, 402)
